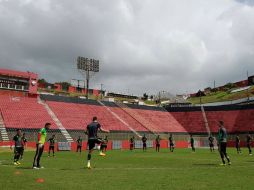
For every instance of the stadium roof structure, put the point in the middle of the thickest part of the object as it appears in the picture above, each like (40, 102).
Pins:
(13, 73)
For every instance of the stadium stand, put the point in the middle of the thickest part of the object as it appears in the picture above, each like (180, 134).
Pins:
(163, 121)
(82, 115)
(245, 121)
(23, 112)
(192, 122)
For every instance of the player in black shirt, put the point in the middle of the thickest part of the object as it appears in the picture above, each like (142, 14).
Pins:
(52, 145)
(237, 144)
(17, 139)
(24, 141)
(192, 144)
(248, 143)
(79, 144)
(132, 143)
(104, 145)
(93, 139)
(171, 143)
(144, 139)
(157, 143)
(211, 143)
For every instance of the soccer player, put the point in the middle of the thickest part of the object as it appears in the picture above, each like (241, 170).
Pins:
(104, 145)
(237, 144)
(211, 143)
(192, 142)
(52, 145)
(171, 143)
(79, 145)
(132, 143)
(248, 143)
(17, 139)
(91, 131)
(222, 140)
(24, 141)
(42, 135)
(144, 139)
(157, 143)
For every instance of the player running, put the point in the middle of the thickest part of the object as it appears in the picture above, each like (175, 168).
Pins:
(91, 132)
(211, 143)
(24, 141)
(79, 145)
(192, 142)
(157, 143)
(144, 139)
(17, 139)
(222, 141)
(248, 143)
(171, 143)
(237, 144)
(42, 135)
(51, 145)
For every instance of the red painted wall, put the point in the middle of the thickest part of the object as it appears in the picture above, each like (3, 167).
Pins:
(72, 89)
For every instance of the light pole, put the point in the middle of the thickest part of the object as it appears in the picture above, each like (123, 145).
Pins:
(101, 90)
(86, 67)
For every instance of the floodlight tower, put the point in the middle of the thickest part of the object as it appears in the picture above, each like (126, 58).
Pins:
(87, 67)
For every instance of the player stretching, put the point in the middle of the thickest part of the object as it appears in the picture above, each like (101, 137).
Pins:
(17, 139)
(42, 135)
(248, 143)
(171, 143)
(211, 143)
(144, 139)
(104, 145)
(79, 145)
(91, 131)
(24, 141)
(132, 143)
(52, 145)
(192, 142)
(237, 144)
(157, 143)
(222, 140)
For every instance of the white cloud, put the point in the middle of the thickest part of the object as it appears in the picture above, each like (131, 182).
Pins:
(143, 46)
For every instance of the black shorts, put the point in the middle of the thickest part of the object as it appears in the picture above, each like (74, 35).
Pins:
(171, 144)
(18, 150)
(51, 147)
(91, 143)
(223, 147)
(104, 146)
(158, 145)
(211, 145)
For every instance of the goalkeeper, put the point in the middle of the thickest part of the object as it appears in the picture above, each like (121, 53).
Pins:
(42, 135)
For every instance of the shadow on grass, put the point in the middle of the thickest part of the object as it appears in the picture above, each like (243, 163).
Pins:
(204, 164)
(25, 168)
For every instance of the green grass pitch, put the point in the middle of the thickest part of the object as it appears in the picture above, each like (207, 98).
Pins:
(122, 170)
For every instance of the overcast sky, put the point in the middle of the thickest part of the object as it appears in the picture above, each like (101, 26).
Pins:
(143, 45)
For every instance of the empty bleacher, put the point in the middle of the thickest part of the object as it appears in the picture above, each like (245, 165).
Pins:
(78, 116)
(192, 122)
(23, 112)
(75, 113)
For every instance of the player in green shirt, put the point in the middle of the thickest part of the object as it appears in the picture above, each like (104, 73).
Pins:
(42, 135)
(222, 140)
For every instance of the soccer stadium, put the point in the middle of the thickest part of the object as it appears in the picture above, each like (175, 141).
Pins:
(71, 123)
